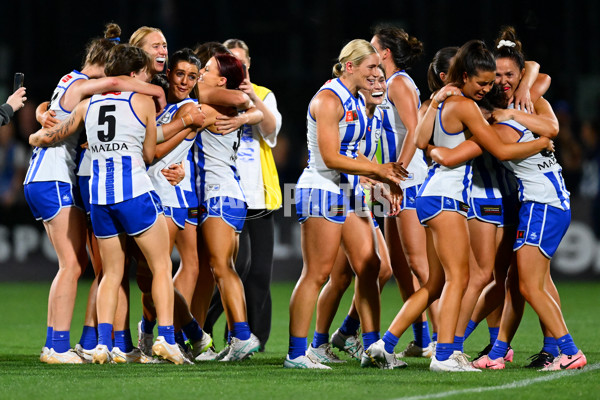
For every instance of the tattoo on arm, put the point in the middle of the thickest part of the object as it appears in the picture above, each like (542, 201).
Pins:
(60, 131)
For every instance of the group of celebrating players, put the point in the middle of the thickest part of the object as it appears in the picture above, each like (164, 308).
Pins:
(475, 203)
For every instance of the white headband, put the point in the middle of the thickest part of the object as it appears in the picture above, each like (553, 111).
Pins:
(506, 43)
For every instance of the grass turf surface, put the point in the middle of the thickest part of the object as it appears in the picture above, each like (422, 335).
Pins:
(22, 376)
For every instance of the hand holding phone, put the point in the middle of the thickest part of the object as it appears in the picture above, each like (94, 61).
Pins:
(19, 81)
(17, 99)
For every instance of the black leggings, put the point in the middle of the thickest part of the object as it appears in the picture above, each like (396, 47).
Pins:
(254, 265)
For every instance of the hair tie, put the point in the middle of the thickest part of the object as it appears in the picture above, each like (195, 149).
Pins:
(116, 39)
(505, 43)
(340, 65)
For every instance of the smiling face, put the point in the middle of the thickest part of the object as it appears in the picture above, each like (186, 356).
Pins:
(477, 86)
(155, 45)
(365, 74)
(377, 94)
(210, 74)
(182, 80)
(508, 75)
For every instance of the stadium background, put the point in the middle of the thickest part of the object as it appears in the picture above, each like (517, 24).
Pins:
(293, 45)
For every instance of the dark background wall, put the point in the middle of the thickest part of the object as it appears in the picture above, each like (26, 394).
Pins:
(293, 46)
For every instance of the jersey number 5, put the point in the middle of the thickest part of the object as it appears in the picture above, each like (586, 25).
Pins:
(103, 118)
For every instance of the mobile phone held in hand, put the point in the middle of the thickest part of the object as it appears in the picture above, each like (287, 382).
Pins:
(19, 80)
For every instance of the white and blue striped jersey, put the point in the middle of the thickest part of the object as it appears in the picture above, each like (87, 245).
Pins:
(368, 145)
(215, 155)
(182, 195)
(57, 162)
(115, 141)
(394, 133)
(352, 127)
(539, 176)
(491, 180)
(453, 182)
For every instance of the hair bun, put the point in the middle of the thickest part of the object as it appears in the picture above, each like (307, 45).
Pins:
(112, 31)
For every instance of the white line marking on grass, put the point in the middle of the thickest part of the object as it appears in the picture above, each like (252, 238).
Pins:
(548, 376)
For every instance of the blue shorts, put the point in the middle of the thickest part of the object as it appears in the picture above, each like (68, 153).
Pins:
(409, 200)
(334, 207)
(429, 207)
(542, 226)
(486, 210)
(84, 191)
(501, 211)
(132, 216)
(177, 214)
(46, 199)
(192, 216)
(229, 209)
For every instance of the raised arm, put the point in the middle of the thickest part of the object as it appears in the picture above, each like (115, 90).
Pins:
(227, 124)
(86, 88)
(223, 97)
(45, 116)
(522, 95)
(188, 120)
(543, 122)
(465, 151)
(424, 128)
(468, 113)
(540, 87)
(46, 137)
(271, 124)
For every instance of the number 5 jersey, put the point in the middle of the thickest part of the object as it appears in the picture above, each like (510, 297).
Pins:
(115, 140)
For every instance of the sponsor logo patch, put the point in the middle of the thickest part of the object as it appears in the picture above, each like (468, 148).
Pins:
(351, 116)
(490, 210)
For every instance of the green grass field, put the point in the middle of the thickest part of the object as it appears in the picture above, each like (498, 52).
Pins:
(22, 376)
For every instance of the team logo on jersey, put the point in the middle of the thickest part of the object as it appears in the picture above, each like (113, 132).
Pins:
(213, 187)
(351, 116)
(520, 234)
(165, 118)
